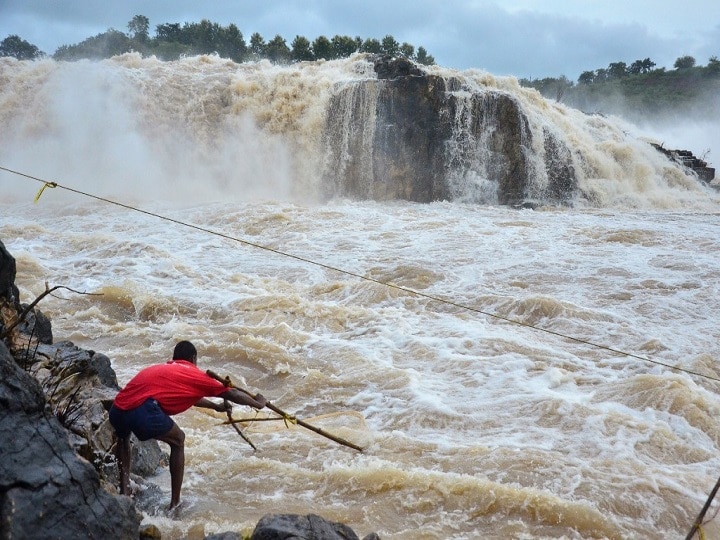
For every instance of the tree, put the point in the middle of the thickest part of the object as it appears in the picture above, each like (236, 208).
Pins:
(322, 48)
(407, 50)
(372, 46)
(684, 62)
(105, 45)
(635, 68)
(586, 77)
(617, 70)
(138, 28)
(647, 65)
(205, 36)
(422, 57)
(19, 48)
(277, 50)
(713, 67)
(168, 32)
(257, 45)
(301, 50)
(231, 43)
(343, 46)
(601, 75)
(390, 46)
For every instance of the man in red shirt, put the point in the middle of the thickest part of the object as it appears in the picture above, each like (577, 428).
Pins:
(146, 403)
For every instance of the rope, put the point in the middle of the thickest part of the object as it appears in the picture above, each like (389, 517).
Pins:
(359, 276)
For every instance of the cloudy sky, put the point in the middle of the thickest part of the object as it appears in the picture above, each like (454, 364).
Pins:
(525, 38)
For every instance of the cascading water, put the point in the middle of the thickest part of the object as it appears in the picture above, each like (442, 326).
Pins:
(314, 131)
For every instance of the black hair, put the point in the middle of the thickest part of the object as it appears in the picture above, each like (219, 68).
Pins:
(185, 350)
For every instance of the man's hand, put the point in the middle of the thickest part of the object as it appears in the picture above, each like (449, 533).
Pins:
(260, 399)
(225, 406)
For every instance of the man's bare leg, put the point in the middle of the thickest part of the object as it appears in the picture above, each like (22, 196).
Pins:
(176, 439)
(123, 457)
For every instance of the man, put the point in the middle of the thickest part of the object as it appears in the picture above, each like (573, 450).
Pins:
(157, 392)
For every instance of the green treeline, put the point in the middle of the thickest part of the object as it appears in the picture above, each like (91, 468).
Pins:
(639, 91)
(172, 41)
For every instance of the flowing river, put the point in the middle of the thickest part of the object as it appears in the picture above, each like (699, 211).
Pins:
(509, 373)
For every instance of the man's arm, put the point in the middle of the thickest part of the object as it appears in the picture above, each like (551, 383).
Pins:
(241, 398)
(234, 395)
(207, 404)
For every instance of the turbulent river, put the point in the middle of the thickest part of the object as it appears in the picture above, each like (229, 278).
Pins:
(509, 373)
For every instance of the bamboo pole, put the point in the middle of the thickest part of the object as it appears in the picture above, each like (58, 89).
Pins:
(698, 522)
(231, 421)
(288, 417)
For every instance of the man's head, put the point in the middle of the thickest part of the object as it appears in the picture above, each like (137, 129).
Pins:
(185, 350)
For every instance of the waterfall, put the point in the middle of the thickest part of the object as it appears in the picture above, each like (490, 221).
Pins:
(366, 127)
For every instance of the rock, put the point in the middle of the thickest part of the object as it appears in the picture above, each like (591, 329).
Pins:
(296, 527)
(688, 160)
(388, 67)
(46, 489)
(36, 324)
(224, 536)
(84, 384)
(56, 425)
(421, 137)
(149, 532)
(8, 289)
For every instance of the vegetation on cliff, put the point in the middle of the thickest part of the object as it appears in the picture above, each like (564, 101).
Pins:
(639, 91)
(172, 41)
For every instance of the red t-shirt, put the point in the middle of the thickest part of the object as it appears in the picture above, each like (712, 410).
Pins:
(176, 385)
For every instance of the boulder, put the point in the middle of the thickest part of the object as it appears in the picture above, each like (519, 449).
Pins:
(297, 527)
(46, 489)
(423, 137)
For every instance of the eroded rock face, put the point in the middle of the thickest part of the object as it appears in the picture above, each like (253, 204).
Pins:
(420, 137)
(53, 425)
(46, 489)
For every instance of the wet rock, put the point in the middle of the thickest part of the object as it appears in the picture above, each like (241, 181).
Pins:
(309, 527)
(8, 289)
(688, 160)
(421, 137)
(46, 489)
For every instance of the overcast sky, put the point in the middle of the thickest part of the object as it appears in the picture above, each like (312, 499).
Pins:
(524, 38)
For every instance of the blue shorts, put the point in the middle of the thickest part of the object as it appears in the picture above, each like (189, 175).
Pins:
(147, 421)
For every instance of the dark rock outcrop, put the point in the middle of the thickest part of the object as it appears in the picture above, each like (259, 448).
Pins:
(688, 160)
(8, 289)
(421, 137)
(53, 426)
(46, 489)
(285, 526)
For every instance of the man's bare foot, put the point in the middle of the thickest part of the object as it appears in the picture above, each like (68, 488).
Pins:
(173, 511)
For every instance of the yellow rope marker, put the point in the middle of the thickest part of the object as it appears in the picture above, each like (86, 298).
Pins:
(45, 185)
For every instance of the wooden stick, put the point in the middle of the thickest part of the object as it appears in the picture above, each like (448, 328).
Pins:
(290, 418)
(698, 522)
(248, 420)
(239, 431)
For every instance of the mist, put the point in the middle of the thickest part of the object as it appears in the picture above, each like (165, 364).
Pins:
(89, 127)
